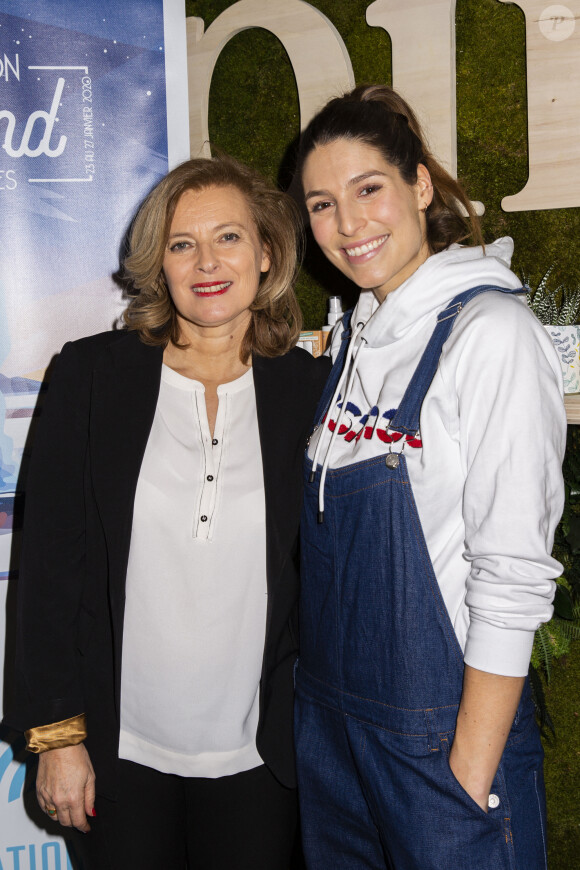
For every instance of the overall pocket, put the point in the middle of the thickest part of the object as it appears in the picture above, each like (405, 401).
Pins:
(498, 805)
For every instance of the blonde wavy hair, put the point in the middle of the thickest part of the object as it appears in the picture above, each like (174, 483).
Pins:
(276, 318)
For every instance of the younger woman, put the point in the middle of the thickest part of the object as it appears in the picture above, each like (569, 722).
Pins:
(433, 488)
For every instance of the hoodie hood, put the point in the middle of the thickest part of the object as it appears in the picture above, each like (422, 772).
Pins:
(430, 288)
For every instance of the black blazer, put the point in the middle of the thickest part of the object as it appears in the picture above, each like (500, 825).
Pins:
(77, 529)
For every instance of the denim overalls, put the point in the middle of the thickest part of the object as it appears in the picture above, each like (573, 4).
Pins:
(379, 681)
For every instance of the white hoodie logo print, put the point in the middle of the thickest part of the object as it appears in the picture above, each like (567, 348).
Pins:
(356, 425)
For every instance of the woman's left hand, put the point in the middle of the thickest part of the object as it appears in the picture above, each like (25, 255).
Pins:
(486, 713)
(475, 781)
(65, 786)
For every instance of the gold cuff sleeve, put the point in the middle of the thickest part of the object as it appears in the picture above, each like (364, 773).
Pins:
(69, 732)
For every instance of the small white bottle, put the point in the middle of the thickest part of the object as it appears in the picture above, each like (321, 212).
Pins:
(334, 313)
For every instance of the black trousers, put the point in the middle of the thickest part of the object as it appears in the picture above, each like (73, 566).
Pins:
(164, 822)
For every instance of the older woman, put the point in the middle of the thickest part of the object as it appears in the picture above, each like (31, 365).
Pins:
(157, 634)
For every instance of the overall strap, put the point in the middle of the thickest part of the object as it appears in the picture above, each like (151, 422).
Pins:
(406, 419)
(336, 370)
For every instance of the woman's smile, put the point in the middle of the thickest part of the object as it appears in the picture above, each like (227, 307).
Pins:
(213, 260)
(364, 250)
(366, 218)
(211, 288)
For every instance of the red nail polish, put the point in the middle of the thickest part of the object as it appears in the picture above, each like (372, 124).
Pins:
(93, 812)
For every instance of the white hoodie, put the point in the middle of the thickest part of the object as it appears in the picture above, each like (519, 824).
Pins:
(486, 466)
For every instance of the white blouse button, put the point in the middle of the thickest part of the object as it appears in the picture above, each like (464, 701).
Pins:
(493, 801)
(204, 519)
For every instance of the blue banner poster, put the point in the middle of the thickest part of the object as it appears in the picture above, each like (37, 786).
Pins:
(84, 135)
(93, 112)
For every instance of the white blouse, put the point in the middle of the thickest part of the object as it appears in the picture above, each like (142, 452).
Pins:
(195, 613)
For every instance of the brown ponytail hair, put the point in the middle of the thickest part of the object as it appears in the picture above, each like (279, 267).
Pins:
(378, 116)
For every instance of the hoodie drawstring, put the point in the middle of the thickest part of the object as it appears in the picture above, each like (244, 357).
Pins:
(352, 354)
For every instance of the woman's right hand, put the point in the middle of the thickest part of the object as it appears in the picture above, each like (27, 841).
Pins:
(66, 782)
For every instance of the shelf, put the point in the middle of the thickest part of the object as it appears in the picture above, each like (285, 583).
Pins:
(572, 405)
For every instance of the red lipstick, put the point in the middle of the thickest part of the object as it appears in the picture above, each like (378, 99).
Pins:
(203, 288)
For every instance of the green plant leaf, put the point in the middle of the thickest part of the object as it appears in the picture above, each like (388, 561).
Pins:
(539, 699)
(543, 644)
(570, 630)
(573, 535)
(563, 603)
(553, 307)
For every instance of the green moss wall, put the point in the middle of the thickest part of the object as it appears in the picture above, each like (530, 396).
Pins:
(254, 116)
